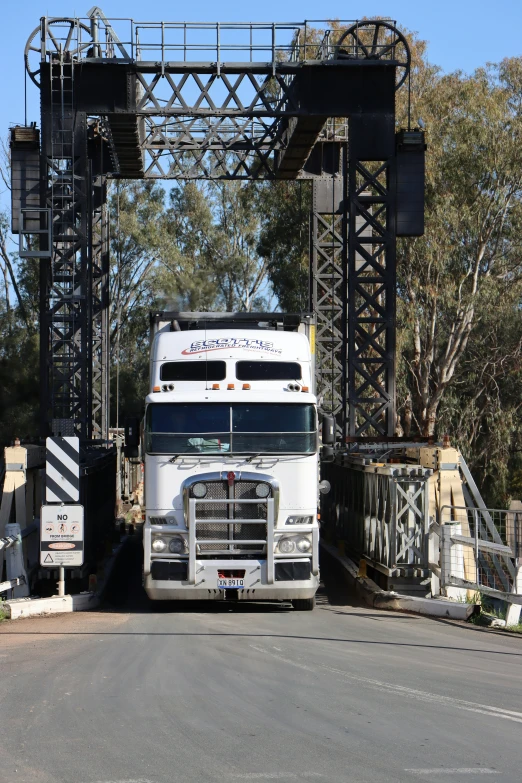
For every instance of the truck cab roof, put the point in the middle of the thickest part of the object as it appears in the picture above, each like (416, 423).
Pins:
(272, 358)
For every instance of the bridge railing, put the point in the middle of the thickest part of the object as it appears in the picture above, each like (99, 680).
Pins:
(19, 517)
(480, 550)
(380, 513)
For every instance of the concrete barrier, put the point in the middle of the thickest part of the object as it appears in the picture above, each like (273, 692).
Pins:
(377, 598)
(18, 608)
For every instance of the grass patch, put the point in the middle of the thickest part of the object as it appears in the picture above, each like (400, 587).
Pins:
(489, 608)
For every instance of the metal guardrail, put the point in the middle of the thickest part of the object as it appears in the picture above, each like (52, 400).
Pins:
(8, 541)
(481, 550)
(290, 43)
(19, 517)
(16, 541)
(144, 41)
(5, 543)
(23, 557)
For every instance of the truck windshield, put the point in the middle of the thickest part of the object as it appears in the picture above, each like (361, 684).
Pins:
(238, 428)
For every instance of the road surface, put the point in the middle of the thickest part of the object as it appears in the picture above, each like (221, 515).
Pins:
(144, 694)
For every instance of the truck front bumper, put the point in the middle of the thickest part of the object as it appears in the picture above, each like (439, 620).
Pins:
(286, 585)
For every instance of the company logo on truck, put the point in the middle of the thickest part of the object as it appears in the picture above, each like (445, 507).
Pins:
(225, 343)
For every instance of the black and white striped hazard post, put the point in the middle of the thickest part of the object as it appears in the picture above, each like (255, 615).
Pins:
(61, 524)
(62, 470)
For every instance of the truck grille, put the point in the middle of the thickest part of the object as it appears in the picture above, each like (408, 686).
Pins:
(243, 490)
(216, 530)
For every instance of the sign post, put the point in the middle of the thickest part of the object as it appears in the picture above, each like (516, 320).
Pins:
(61, 537)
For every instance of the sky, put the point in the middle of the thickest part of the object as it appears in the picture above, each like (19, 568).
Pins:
(461, 34)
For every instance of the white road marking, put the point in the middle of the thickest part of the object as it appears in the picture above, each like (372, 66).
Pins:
(460, 704)
(281, 658)
(134, 780)
(273, 775)
(455, 771)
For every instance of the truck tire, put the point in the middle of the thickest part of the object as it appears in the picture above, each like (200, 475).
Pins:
(303, 604)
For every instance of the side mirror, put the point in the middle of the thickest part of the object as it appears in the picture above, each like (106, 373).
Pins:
(324, 487)
(327, 454)
(328, 432)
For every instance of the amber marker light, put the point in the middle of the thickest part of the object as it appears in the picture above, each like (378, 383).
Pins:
(304, 389)
(215, 386)
(246, 386)
(230, 386)
(156, 388)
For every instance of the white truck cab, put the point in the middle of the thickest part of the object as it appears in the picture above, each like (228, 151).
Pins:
(231, 459)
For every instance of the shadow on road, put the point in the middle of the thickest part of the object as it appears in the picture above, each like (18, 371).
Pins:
(124, 594)
(124, 591)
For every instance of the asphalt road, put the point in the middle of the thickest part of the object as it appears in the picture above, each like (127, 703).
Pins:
(145, 694)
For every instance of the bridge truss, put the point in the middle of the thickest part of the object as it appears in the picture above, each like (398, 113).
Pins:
(234, 101)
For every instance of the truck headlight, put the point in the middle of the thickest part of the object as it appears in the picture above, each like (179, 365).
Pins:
(177, 545)
(286, 546)
(299, 520)
(303, 544)
(262, 490)
(199, 490)
(158, 544)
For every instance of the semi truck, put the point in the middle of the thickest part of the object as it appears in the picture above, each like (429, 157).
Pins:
(231, 448)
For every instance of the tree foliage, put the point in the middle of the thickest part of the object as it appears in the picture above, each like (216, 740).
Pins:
(284, 242)
(193, 250)
(460, 285)
(466, 269)
(214, 230)
(19, 363)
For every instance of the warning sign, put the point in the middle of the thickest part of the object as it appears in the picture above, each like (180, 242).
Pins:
(61, 536)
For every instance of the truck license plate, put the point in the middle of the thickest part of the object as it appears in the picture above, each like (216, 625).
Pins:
(234, 584)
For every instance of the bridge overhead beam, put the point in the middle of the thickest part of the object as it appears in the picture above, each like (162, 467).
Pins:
(232, 121)
(322, 111)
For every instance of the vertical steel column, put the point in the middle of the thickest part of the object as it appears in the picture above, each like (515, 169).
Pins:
(65, 290)
(371, 283)
(327, 288)
(45, 264)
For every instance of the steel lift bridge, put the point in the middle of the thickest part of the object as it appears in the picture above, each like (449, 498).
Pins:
(122, 99)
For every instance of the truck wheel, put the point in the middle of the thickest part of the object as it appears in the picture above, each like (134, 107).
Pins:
(303, 604)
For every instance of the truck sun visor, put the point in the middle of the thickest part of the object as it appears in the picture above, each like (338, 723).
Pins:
(193, 371)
